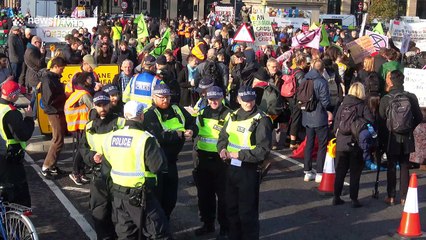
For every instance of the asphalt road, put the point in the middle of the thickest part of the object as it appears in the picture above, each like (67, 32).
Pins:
(289, 207)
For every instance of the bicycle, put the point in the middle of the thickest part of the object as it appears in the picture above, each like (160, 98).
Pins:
(14, 221)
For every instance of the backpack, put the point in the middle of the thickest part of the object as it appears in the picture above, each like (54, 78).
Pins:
(271, 100)
(289, 87)
(348, 115)
(399, 117)
(358, 125)
(212, 70)
(372, 84)
(306, 99)
(333, 88)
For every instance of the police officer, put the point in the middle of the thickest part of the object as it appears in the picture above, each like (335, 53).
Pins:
(204, 84)
(171, 125)
(135, 158)
(211, 170)
(245, 140)
(15, 130)
(103, 122)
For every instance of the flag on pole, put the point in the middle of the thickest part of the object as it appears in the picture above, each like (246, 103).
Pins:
(310, 39)
(142, 29)
(163, 45)
(379, 29)
(325, 42)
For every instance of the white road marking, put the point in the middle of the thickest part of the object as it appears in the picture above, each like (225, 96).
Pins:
(76, 189)
(74, 213)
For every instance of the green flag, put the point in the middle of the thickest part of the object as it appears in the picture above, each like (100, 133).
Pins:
(162, 46)
(325, 42)
(142, 30)
(379, 29)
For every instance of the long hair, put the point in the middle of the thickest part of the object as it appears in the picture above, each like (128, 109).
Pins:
(368, 64)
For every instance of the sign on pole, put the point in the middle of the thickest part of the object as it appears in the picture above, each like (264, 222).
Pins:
(243, 35)
(263, 33)
(415, 82)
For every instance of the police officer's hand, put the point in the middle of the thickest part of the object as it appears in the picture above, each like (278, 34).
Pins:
(233, 155)
(97, 158)
(28, 112)
(224, 154)
(188, 134)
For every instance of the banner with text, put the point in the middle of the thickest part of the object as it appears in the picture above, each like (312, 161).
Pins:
(224, 14)
(263, 33)
(295, 22)
(415, 82)
(416, 31)
(361, 48)
(55, 29)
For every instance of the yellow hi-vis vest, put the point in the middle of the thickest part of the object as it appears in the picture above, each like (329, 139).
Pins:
(95, 140)
(239, 133)
(175, 124)
(124, 149)
(4, 108)
(208, 132)
(76, 115)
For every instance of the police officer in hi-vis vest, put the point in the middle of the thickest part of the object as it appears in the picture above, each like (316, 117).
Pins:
(244, 142)
(102, 122)
(171, 125)
(15, 130)
(135, 158)
(211, 170)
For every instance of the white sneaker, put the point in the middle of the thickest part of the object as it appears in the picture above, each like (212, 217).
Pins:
(309, 176)
(318, 177)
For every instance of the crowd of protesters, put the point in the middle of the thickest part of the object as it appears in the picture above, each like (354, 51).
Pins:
(204, 59)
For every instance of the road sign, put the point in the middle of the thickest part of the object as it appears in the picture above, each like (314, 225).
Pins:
(124, 5)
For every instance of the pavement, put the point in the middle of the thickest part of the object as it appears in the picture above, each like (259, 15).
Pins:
(289, 207)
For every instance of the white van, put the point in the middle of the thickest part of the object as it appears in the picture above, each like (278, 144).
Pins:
(345, 21)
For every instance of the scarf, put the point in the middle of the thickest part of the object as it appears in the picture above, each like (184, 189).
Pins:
(191, 72)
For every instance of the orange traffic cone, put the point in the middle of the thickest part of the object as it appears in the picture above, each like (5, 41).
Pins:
(329, 174)
(410, 221)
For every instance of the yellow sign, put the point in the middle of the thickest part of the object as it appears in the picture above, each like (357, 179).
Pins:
(43, 121)
(105, 73)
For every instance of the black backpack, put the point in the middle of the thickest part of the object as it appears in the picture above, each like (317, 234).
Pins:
(348, 115)
(372, 84)
(399, 117)
(272, 101)
(212, 70)
(357, 126)
(306, 99)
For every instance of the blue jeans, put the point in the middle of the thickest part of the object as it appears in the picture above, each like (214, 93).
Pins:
(322, 134)
(16, 70)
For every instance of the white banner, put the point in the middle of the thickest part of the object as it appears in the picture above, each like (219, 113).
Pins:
(263, 33)
(415, 82)
(416, 31)
(295, 22)
(224, 14)
(55, 29)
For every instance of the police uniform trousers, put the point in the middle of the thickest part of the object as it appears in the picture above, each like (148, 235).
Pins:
(167, 187)
(242, 201)
(211, 180)
(12, 171)
(101, 207)
(155, 225)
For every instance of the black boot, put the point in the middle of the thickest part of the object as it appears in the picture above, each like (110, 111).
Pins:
(205, 229)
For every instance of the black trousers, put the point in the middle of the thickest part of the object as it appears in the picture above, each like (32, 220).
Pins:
(322, 134)
(211, 181)
(242, 202)
(403, 160)
(78, 163)
(167, 188)
(155, 224)
(348, 160)
(12, 171)
(296, 117)
(101, 207)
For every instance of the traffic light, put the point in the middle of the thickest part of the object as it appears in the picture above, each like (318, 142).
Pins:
(115, 3)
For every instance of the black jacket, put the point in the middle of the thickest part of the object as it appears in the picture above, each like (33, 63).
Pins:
(343, 141)
(16, 48)
(35, 61)
(71, 56)
(262, 137)
(169, 141)
(398, 143)
(185, 88)
(52, 93)
(119, 56)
